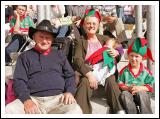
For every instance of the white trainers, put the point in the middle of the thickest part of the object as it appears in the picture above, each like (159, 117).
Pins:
(121, 112)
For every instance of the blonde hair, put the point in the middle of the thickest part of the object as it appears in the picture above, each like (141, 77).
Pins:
(115, 43)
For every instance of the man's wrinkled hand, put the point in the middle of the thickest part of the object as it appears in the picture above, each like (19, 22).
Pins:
(30, 107)
(67, 98)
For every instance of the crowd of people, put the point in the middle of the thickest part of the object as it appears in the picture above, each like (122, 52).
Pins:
(45, 82)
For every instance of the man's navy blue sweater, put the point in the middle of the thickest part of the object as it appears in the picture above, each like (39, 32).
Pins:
(43, 75)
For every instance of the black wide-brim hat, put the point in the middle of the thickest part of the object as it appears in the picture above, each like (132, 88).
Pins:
(44, 25)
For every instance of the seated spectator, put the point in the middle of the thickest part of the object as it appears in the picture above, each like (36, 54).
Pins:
(19, 24)
(43, 79)
(88, 44)
(136, 80)
(110, 22)
(60, 27)
(129, 14)
(57, 13)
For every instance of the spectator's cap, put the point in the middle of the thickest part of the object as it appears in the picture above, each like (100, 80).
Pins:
(44, 25)
(139, 45)
(91, 12)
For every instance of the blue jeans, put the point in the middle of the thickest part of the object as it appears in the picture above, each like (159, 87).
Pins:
(120, 12)
(61, 31)
(128, 19)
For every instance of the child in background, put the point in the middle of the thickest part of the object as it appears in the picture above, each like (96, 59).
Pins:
(136, 80)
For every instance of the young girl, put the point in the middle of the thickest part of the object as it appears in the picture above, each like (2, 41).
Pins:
(136, 80)
(102, 63)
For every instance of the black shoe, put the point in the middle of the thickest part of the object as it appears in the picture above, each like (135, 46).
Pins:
(8, 64)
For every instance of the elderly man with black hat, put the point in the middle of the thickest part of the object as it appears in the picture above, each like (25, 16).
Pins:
(43, 79)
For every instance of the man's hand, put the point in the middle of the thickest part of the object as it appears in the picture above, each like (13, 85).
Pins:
(67, 98)
(56, 22)
(92, 81)
(30, 107)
